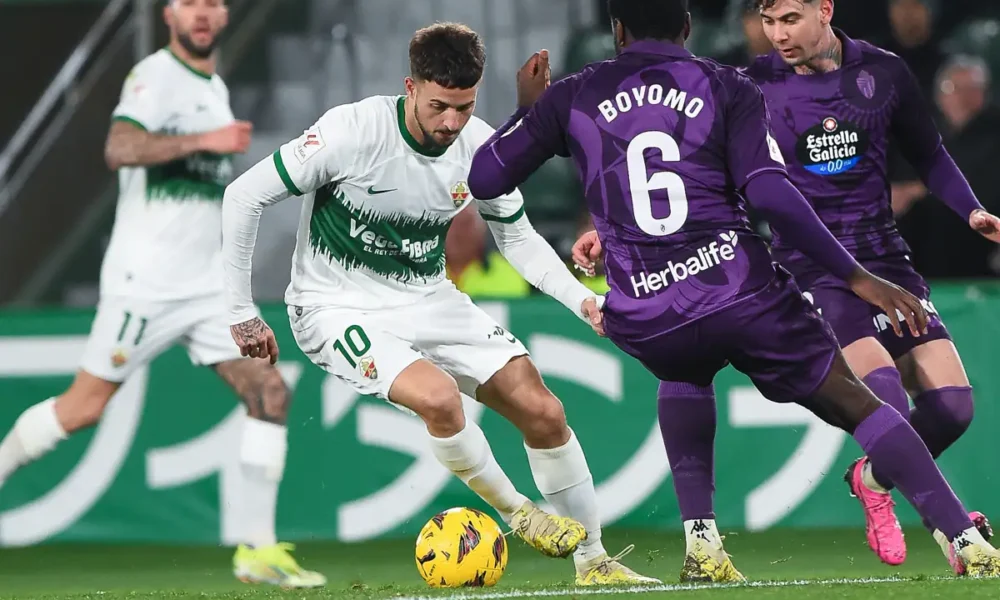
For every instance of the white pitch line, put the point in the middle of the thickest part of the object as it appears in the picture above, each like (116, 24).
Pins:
(592, 591)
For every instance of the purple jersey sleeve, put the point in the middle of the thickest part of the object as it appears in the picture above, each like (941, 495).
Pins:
(750, 148)
(522, 144)
(791, 215)
(920, 142)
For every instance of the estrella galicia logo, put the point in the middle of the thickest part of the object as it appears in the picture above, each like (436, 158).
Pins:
(832, 147)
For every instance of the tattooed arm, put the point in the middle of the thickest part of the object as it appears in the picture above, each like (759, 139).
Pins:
(323, 153)
(130, 145)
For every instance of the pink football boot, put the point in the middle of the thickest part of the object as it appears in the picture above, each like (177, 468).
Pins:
(885, 537)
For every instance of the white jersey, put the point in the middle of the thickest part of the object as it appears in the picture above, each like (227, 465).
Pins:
(166, 241)
(377, 206)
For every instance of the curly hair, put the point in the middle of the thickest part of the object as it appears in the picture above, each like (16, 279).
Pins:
(450, 54)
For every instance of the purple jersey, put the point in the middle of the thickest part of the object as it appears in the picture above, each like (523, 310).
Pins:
(833, 130)
(663, 142)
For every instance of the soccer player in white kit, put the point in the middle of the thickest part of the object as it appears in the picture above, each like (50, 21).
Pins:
(381, 180)
(161, 281)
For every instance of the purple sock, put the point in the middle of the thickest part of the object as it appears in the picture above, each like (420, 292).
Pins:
(895, 448)
(941, 416)
(687, 423)
(888, 386)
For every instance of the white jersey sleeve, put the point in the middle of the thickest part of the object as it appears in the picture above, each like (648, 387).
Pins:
(144, 99)
(324, 153)
(523, 247)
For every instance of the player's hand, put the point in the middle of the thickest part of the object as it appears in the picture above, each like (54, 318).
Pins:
(897, 303)
(586, 252)
(591, 309)
(231, 139)
(255, 339)
(533, 79)
(985, 225)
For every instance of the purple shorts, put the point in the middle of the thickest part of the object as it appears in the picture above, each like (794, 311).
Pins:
(853, 319)
(775, 337)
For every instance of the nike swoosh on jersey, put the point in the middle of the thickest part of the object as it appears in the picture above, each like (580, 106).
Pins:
(373, 192)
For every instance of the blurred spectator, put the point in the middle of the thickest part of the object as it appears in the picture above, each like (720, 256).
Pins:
(598, 283)
(913, 38)
(754, 43)
(943, 245)
(475, 270)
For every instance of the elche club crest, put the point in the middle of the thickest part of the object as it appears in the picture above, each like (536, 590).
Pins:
(459, 193)
(367, 367)
(118, 358)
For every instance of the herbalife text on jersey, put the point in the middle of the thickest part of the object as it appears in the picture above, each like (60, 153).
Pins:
(707, 257)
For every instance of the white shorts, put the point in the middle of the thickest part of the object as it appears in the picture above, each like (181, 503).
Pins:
(128, 333)
(369, 349)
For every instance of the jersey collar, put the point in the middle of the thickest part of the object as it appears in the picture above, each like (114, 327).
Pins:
(658, 47)
(192, 70)
(852, 52)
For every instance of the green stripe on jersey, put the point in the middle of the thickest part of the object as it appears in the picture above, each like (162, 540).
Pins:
(279, 164)
(512, 218)
(198, 177)
(130, 121)
(393, 246)
(192, 70)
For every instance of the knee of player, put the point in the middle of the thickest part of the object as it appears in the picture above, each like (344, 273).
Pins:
(960, 410)
(440, 405)
(547, 422)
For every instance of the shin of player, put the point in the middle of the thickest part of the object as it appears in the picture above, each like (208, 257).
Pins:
(555, 456)
(687, 415)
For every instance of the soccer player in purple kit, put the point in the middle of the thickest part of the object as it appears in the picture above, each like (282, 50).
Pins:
(668, 145)
(834, 102)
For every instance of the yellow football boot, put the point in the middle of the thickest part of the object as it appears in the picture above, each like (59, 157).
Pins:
(706, 564)
(274, 565)
(551, 535)
(978, 560)
(608, 571)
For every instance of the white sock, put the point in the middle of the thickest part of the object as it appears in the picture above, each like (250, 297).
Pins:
(702, 533)
(35, 433)
(869, 480)
(970, 537)
(467, 454)
(563, 477)
(262, 460)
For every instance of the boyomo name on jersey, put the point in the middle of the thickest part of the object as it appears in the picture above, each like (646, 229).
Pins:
(393, 246)
(832, 147)
(707, 257)
(652, 95)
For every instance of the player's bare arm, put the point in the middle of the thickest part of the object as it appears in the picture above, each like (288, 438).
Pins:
(129, 145)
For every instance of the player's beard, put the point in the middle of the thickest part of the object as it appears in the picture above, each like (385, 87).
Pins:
(430, 142)
(194, 49)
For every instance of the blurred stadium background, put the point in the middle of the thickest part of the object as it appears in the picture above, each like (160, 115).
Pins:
(155, 470)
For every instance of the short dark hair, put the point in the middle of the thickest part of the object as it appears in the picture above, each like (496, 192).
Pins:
(760, 5)
(651, 19)
(450, 54)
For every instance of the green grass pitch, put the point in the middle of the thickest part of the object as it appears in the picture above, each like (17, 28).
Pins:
(782, 565)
